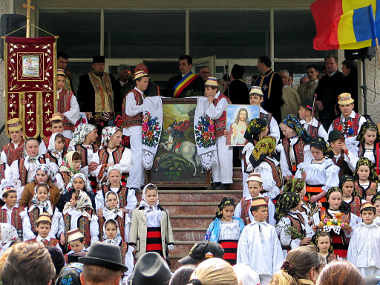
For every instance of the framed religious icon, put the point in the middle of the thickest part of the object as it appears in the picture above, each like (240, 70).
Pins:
(30, 65)
(176, 162)
(238, 117)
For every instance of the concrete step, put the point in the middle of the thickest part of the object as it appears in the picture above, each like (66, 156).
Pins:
(191, 221)
(197, 195)
(191, 208)
(192, 234)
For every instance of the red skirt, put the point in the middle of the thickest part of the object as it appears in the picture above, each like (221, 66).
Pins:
(340, 249)
(314, 190)
(153, 240)
(230, 250)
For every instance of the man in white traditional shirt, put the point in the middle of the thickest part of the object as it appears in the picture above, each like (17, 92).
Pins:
(259, 246)
(132, 118)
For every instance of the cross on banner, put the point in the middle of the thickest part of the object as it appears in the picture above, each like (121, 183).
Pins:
(28, 6)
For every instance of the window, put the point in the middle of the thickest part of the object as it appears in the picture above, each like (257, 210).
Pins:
(229, 34)
(78, 31)
(144, 34)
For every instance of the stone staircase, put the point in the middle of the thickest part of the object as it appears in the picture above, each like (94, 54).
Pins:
(191, 211)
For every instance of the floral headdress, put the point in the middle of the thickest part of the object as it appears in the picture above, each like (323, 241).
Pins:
(372, 171)
(107, 133)
(286, 202)
(265, 146)
(48, 169)
(320, 144)
(224, 203)
(80, 134)
(295, 185)
(365, 127)
(254, 128)
(292, 122)
(345, 178)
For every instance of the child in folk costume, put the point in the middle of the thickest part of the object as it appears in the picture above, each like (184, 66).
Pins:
(340, 154)
(320, 173)
(75, 239)
(127, 197)
(256, 98)
(40, 204)
(349, 122)
(71, 165)
(314, 127)
(8, 237)
(112, 153)
(337, 220)
(55, 152)
(264, 161)
(365, 179)
(84, 142)
(259, 246)
(43, 227)
(132, 117)
(151, 229)
(293, 148)
(256, 130)
(67, 105)
(43, 175)
(376, 202)
(255, 187)
(292, 227)
(56, 123)
(349, 195)
(364, 248)
(323, 244)
(226, 229)
(13, 214)
(217, 111)
(15, 148)
(369, 144)
(79, 213)
(24, 168)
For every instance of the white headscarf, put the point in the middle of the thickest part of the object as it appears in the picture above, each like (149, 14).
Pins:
(80, 135)
(43, 206)
(144, 203)
(112, 213)
(107, 133)
(113, 167)
(8, 235)
(51, 146)
(87, 184)
(115, 241)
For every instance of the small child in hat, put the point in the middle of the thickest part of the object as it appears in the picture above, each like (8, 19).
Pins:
(43, 227)
(255, 187)
(15, 148)
(259, 239)
(364, 247)
(75, 240)
(226, 229)
(309, 122)
(349, 122)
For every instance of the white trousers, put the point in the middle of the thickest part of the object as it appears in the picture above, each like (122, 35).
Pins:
(136, 174)
(369, 271)
(245, 177)
(222, 170)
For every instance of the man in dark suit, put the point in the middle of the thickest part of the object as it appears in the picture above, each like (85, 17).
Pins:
(187, 83)
(122, 86)
(237, 90)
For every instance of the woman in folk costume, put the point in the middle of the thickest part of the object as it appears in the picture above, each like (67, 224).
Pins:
(79, 213)
(70, 166)
(226, 229)
(112, 153)
(292, 227)
(338, 220)
(263, 161)
(8, 236)
(84, 142)
(151, 229)
(43, 175)
(127, 197)
(294, 146)
(113, 212)
(368, 144)
(41, 204)
(56, 150)
(349, 195)
(365, 179)
(256, 130)
(320, 173)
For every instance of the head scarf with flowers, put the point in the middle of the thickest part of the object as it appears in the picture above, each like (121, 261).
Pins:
(224, 203)
(107, 133)
(8, 235)
(254, 128)
(80, 134)
(48, 169)
(286, 202)
(292, 122)
(67, 163)
(295, 185)
(87, 185)
(263, 148)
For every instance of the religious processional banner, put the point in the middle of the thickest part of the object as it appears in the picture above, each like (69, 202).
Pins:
(30, 89)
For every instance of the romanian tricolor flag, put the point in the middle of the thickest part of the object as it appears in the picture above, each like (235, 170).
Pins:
(345, 24)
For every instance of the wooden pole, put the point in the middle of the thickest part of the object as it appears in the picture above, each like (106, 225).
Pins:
(28, 6)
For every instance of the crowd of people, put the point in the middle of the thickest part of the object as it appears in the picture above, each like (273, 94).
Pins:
(310, 194)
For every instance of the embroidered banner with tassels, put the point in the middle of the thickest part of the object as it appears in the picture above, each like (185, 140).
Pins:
(30, 90)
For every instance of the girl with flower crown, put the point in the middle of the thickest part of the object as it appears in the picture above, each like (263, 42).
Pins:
(323, 243)
(294, 147)
(337, 220)
(292, 227)
(349, 194)
(366, 179)
(225, 229)
(320, 174)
